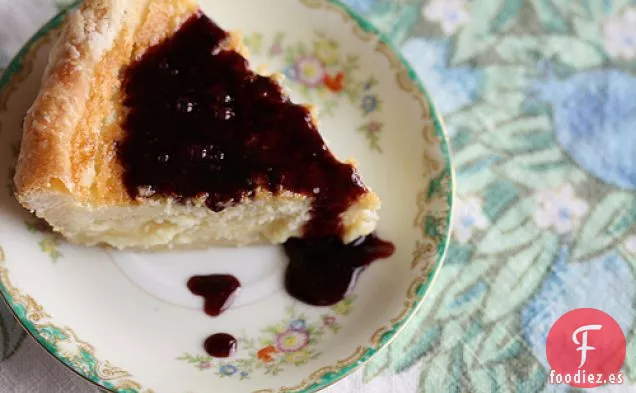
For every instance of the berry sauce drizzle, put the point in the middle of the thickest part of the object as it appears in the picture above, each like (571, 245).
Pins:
(201, 124)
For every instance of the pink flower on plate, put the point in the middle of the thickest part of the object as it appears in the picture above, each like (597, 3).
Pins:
(310, 71)
(292, 340)
(374, 127)
(328, 320)
(560, 209)
(204, 365)
(276, 49)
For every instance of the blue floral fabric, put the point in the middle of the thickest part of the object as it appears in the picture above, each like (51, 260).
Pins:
(539, 97)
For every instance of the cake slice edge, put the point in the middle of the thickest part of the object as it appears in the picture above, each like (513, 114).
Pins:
(49, 183)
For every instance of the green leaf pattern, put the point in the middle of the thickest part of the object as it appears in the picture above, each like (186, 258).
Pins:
(521, 196)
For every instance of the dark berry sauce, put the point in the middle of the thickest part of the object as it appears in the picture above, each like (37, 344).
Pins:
(220, 345)
(202, 125)
(323, 271)
(218, 291)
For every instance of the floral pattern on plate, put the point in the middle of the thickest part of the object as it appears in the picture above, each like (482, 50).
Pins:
(62, 341)
(321, 72)
(50, 243)
(291, 342)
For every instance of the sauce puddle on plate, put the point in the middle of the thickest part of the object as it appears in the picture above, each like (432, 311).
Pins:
(320, 272)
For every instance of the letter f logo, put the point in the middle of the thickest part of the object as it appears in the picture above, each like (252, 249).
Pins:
(583, 344)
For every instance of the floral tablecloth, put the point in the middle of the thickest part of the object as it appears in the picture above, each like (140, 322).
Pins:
(540, 102)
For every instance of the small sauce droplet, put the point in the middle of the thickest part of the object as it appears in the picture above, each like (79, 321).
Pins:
(220, 345)
(217, 290)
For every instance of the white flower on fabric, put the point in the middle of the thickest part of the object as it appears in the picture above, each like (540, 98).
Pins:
(468, 216)
(630, 244)
(560, 209)
(450, 14)
(620, 35)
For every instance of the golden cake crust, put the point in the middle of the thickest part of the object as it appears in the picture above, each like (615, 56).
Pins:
(66, 147)
(45, 161)
(68, 172)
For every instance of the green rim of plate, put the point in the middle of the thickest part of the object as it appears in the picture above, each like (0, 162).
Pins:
(422, 290)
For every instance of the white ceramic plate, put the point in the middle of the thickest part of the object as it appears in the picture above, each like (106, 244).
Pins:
(127, 322)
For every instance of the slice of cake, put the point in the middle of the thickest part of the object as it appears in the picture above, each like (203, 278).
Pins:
(150, 130)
